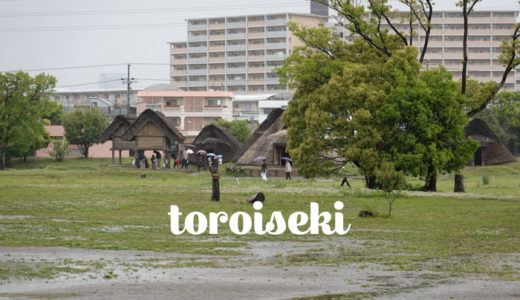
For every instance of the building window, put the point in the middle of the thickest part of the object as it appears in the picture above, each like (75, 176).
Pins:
(213, 102)
(172, 101)
(176, 121)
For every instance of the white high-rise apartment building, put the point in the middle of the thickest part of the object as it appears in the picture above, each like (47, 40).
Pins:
(237, 53)
(487, 29)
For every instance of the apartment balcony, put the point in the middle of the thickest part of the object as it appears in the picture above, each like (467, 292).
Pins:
(270, 69)
(435, 55)
(272, 81)
(431, 44)
(276, 57)
(197, 38)
(475, 67)
(255, 46)
(256, 24)
(236, 82)
(219, 59)
(179, 83)
(479, 32)
(479, 43)
(199, 83)
(236, 25)
(173, 109)
(217, 71)
(178, 50)
(179, 72)
(256, 69)
(217, 37)
(481, 55)
(255, 35)
(236, 58)
(503, 20)
(256, 57)
(256, 82)
(236, 70)
(198, 27)
(277, 22)
(179, 61)
(454, 44)
(198, 72)
(236, 47)
(236, 36)
(453, 55)
(276, 46)
(503, 32)
(198, 60)
(217, 48)
(217, 26)
(197, 49)
(475, 20)
(276, 34)
(453, 31)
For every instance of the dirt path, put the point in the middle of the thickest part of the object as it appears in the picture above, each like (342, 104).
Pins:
(258, 275)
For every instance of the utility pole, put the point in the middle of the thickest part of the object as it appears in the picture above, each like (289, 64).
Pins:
(128, 81)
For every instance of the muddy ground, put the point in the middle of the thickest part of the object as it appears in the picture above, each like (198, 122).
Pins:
(261, 273)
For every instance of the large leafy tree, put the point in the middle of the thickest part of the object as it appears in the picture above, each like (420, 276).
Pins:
(238, 128)
(507, 111)
(51, 111)
(83, 127)
(21, 98)
(376, 110)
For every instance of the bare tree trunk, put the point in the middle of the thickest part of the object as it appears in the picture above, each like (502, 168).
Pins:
(2, 161)
(459, 184)
(85, 152)
(430, 184)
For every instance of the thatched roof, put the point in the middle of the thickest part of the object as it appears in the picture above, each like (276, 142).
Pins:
(219, 140)
(113, 130)
(271, 124)
(159, 120)
(495, 152)
(270, 132)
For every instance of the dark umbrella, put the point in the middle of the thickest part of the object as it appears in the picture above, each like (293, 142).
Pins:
(259, 158)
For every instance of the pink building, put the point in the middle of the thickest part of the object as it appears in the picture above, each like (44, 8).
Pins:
(189, 111)
(96, 151)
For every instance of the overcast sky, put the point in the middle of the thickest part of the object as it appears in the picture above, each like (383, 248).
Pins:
(42, 35)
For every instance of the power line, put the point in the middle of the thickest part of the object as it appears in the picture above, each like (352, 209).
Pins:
(87, 83)
(92, 27)
(87, 66)
(150, 10)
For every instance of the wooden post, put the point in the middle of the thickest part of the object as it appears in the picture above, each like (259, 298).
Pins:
(119, 156)
(215, 191)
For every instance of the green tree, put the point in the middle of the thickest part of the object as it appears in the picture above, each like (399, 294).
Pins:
(373, 108)
(507, 110)
(83, 127)
(52, 111)
(238, 128)
(59, 149)
(21, 129)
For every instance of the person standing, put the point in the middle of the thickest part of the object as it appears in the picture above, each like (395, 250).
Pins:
(158, 156)
(264, 170)
(199, 162)
(288, 170)
(185, 161)
(154, 160)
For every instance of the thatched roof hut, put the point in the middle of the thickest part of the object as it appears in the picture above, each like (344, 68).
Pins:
(114, 133)
(217, 139)
(269, 140)
(491, 150)
(152, 131)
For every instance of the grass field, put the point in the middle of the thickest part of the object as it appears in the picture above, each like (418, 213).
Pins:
(87, 204)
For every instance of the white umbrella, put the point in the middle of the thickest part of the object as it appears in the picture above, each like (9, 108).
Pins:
(189, 151)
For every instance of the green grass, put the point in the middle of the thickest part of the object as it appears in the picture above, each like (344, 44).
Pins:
(87, 204)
